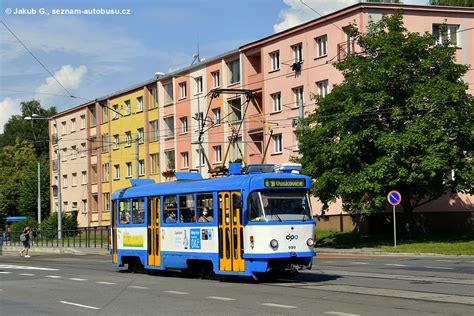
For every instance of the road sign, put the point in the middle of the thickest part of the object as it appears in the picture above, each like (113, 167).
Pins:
(394, 197)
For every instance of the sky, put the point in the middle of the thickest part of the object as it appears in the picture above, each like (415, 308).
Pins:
(93, 55)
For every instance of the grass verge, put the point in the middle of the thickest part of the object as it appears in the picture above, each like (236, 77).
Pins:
(437, 243)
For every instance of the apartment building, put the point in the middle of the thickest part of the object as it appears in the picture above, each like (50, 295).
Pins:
(174, 123)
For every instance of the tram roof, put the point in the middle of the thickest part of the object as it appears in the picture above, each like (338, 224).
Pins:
(235, 182)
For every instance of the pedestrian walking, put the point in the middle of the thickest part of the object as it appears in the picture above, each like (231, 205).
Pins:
(25, 239)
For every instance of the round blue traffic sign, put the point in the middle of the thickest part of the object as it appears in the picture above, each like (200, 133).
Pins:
(394, 197)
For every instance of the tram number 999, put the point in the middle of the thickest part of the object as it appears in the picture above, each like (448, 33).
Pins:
(291, 247)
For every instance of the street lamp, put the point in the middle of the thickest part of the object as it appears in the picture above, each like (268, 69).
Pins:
(37, 117)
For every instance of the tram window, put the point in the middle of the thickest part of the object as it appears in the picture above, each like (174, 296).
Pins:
(124, 208)
(170, 211)
(281, 205)
(205, 207)
(186, 208)
(255, 207)
(138, 211)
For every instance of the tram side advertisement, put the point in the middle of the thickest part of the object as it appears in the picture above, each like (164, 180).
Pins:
(131, 238)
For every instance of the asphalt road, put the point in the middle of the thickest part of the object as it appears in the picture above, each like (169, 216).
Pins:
(344, 285)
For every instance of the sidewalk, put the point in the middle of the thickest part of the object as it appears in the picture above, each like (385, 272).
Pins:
(8, 250)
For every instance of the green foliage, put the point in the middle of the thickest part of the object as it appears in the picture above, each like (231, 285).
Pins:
(50, 225)
(17, 227)
(401, 119)
(455, 3)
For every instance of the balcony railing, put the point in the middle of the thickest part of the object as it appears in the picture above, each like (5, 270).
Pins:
(345, 49)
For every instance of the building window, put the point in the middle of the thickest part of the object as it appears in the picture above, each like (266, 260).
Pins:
(105, 143)
(184, 125)
(182, 90)
(128, 109)
(105, 114)
(216, 79)
(83, 121)
(446, 34)
(74, 152)
(153, 98)
(201, 158)
(84, 177)
(141, 167)
(277, 139)
(128, 139)
(234, 71)
(116, 172)
(275, 56)
(198, 85)
(74, 179)
(65, 181)
(155, 163)
(200, 118)
(276, 99)
(65, 205)
(74, 206)
(218, 153)
(84, 207)
(129, 169)
(139, 104)
(323, 88)
(185, 157)
(297, 53)
(64, 128)
(83, 150)
(235, 110)
(321, 46)
(299, 96)
(169, 126)
(217, 116)
(141, 135)
(64, 154)
(73, 125)
(168, 93)
(105, 172)
(116, 111)
(116, 141)
(169, 157)
(154, 131)
(106, 201)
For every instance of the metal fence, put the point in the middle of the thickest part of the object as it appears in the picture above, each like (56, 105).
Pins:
(88, 237)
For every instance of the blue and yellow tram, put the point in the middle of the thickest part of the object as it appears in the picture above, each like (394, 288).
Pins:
(243, 224)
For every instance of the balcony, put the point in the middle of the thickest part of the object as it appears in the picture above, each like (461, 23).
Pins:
(345, 49)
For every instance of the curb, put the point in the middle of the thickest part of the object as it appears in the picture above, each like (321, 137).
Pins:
(56, 250)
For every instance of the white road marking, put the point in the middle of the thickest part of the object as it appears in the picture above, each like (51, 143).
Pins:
(443, 268)
(139, 287)
(5, 272)
(106, 283)
(358, 262)
(395, 265)
(9, 266)
(52, 276)
(79, 305)
(446, 260)
(27, 274)
(221, 298)
(395, 277)
(340, 314)
(327, 262)
(176, 292)
(278, 305)
(77, 279)
(412, 295)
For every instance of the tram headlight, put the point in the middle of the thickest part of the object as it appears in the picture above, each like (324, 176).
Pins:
(310, 242)
(274, 243)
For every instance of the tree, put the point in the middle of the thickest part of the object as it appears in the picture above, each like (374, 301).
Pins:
(455, 3)
(401, 119)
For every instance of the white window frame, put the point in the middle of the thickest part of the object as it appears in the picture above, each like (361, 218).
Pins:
(141, 135)
(321, 46)
(64, 131)
(183, 93)
(116, 111)
(275, 58)
(217, 116)
(73, 125)
(299, 95)
(155, 163)
(323, 88)
(116, 172)
(83, 149)
(154, 131)
(105, 172)
(452, 31)
(184, 125)
(128, 107)
(199, 87)
(278, 144)
(74, 152)
(140, 104)
(185, 157)
(203, 158)
(169, 130)
(141, 167)
(83, 121)
(128, 139)
(276, 101)
(216, 79)
(128, 167)
(232, 71)
(297, 53)
(74, 179)
(65, 181)
(218, 154)
(84, 177)
(116, 141)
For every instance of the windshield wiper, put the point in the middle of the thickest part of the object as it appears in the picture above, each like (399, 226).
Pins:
(278, 217)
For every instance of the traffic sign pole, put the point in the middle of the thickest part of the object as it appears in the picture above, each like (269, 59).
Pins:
(394, 198)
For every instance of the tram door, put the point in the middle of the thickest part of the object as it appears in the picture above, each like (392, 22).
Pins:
(154, 231)
(230, 232)
(114, 232)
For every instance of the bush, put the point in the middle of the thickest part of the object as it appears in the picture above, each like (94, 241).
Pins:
(50, 225)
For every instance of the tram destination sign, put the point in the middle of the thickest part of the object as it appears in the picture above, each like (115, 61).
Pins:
(275, 183)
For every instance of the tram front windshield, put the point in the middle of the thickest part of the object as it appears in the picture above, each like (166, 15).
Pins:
(279, 206)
